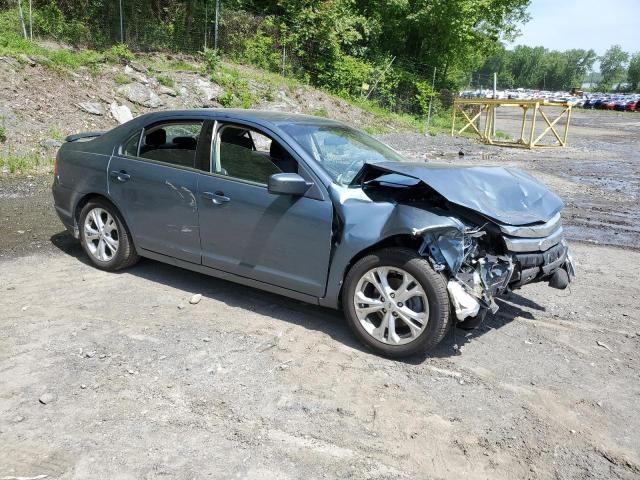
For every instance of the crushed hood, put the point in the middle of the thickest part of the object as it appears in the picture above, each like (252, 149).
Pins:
(507, 195)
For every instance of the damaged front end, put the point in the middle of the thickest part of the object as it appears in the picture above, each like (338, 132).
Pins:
(480, 266)
(505, 229)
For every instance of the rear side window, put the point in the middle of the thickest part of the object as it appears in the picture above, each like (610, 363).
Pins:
(173, 143)
(130, 148)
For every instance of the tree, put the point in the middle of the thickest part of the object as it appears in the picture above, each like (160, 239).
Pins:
(633, 72)
(612, 67)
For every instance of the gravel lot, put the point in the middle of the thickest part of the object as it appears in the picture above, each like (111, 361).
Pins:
(118, 376)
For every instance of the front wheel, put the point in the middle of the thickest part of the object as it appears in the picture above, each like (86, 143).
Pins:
(395, 303)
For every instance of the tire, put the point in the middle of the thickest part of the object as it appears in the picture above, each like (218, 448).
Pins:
(111, 248)
(427, 310)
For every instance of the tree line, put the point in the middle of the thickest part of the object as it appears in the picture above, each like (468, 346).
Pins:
(398, 53)
(540, 68)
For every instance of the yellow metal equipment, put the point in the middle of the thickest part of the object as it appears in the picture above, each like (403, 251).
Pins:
(488, 107)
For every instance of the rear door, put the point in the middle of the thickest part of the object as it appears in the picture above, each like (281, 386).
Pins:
(283, 240)
(153, 180)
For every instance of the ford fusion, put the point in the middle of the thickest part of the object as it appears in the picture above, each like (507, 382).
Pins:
(315, 210)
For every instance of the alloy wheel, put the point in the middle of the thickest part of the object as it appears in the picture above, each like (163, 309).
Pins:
(391, 305)
(101, 234)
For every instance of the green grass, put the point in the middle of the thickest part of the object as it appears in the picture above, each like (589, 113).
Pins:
(12, 45)
(55, 133)
(166, 81)
(24, 163)
(3, 130)
(121, 79)
(160, 63)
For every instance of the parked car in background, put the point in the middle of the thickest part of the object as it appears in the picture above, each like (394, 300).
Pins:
(315, 210)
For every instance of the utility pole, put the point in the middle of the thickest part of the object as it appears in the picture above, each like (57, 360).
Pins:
(215, 36)
(495, 97)
(30, 21)
(284, 58)
(433, 87)
(206, 12)
(121, 24)
(24, 29)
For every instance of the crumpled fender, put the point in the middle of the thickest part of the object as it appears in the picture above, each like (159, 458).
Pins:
(366, 222)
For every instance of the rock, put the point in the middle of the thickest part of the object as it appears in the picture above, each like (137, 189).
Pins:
(195, 299)
(206, 339)
(91, 107)
(208, 91)
(138, 67)
(51, 143)
(140, 94)
(167, 91)
(83, 386)
(183, 92)
(121, 113)
(128, 70)
(17, 419)
(47, 397)
(24, 58)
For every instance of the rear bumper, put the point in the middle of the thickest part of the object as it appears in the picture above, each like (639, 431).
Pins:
(61, 203)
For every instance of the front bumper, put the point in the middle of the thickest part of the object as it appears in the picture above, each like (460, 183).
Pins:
(533, 267)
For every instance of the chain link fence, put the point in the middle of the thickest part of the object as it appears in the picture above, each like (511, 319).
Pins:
(238, 35)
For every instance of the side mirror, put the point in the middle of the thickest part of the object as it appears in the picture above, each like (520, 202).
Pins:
(288, 184)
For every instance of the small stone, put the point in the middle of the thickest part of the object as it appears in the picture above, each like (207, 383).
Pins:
(47, 397)
(17, 419)
(91, 107)
(180, 306)
(131, 372)
(195, 299)
(51, 143)
(120, 113)
(83, 386)
(206, 339)
(25, 308)
(90, 354)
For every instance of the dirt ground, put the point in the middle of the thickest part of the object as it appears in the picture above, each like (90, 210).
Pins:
(118, 376)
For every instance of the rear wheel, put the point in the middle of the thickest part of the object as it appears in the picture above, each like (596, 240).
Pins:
(104, 236)
(395, 303)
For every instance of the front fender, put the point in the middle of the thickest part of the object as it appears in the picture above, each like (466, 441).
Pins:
(366, 223)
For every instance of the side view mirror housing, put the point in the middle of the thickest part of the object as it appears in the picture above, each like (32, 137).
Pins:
(288, 184)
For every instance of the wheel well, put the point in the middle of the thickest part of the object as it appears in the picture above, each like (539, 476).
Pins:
(86, 199)
(403, 240)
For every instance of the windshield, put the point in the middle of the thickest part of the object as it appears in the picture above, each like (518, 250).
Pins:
(339, 149)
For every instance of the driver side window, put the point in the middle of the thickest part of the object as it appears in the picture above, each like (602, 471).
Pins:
(247, 154)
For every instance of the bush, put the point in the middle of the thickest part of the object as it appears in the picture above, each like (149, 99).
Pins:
(119, 53)
(210, 59)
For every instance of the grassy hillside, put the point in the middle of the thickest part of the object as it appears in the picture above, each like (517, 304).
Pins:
(51, 91)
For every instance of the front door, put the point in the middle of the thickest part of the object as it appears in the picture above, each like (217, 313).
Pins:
(283, 240)
(153, 180)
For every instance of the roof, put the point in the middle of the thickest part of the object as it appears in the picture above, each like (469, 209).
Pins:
(261, 116)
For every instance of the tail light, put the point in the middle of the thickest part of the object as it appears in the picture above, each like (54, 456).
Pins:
(55, 164)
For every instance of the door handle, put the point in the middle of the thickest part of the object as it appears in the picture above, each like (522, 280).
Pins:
(121, 176)
(217, 198)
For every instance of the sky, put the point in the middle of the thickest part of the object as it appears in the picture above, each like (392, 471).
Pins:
(597, 24)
